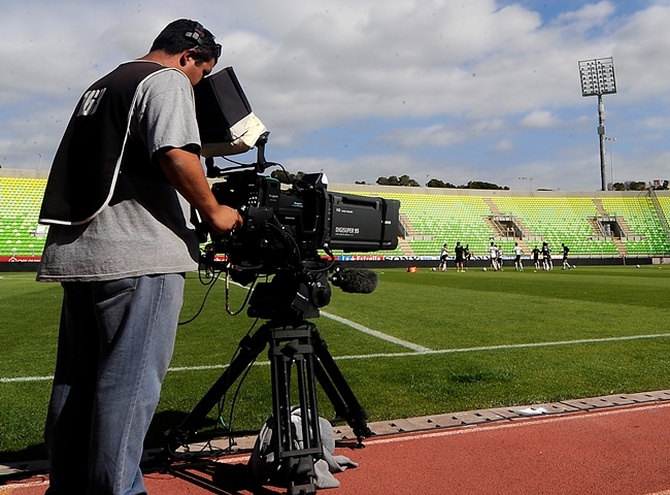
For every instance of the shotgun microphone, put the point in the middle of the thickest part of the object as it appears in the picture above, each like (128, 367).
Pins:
(354, 280)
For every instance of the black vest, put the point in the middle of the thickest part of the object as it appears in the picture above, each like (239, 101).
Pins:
(95, 147)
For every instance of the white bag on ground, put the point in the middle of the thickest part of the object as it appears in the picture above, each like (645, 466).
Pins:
(265, 468)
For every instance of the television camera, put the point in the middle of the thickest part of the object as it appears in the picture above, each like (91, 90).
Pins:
(286, 222)
(286, 225)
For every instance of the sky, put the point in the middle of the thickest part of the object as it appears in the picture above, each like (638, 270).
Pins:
(456, 90)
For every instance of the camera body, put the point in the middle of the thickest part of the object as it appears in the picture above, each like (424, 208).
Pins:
(287, 225)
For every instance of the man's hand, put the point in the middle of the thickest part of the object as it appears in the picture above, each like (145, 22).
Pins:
(224, 219)
(184, 171)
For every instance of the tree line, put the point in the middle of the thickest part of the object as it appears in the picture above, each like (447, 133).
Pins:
(639, 185)
(406, 180)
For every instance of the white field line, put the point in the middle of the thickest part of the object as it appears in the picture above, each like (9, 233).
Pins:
(399, 354)
(375, 333)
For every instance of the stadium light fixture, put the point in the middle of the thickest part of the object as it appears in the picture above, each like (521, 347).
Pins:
(597, 79)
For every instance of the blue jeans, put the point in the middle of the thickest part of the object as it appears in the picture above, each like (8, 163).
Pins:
(115, 344)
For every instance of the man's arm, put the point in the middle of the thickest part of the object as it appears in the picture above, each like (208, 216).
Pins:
(184, 171)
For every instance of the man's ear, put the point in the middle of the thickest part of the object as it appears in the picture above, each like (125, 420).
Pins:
(185, 56)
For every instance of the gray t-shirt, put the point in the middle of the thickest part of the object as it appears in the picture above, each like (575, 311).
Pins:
(145, 229)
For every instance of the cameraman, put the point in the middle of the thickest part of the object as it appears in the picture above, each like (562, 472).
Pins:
(120, 243)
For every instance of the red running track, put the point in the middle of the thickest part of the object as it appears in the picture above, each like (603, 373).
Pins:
(615, 451)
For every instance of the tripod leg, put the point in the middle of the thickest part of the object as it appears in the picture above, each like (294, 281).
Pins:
(251, 347)
(338, 390)
(280, 369)
(295, 452)
(311, 433)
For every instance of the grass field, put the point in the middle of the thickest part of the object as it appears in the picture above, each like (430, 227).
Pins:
(422, 343)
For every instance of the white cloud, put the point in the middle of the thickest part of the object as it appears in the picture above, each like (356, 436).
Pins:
(435, 135)
(539, 119)
(407, 80)
(502, 146)
(589, 16)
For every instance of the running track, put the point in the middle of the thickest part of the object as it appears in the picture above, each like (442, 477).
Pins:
(618, 445)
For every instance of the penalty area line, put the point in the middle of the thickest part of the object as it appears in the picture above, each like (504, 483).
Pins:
(375, 333)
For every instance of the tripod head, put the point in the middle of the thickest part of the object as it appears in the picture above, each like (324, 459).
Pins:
(297, 291)
(290, 298)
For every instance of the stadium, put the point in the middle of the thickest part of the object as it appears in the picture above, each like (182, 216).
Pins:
(506, 342)
(425, 350)
(608, 228)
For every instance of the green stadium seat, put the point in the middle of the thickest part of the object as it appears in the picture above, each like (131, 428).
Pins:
(20, 200)
(436, 219)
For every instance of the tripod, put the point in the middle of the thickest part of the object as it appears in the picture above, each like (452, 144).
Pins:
(293, 341)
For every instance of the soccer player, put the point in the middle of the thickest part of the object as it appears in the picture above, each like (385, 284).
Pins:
(444, 256)
(536, 257)
(493, 256)
(518, 264)
(460, 254)
(566, 250)
(466, 255)
(547, 263)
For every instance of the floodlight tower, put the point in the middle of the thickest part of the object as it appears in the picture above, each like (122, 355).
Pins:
(597, 78)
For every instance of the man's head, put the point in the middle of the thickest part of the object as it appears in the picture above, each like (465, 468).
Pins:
(185, 34)
(186, 45)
